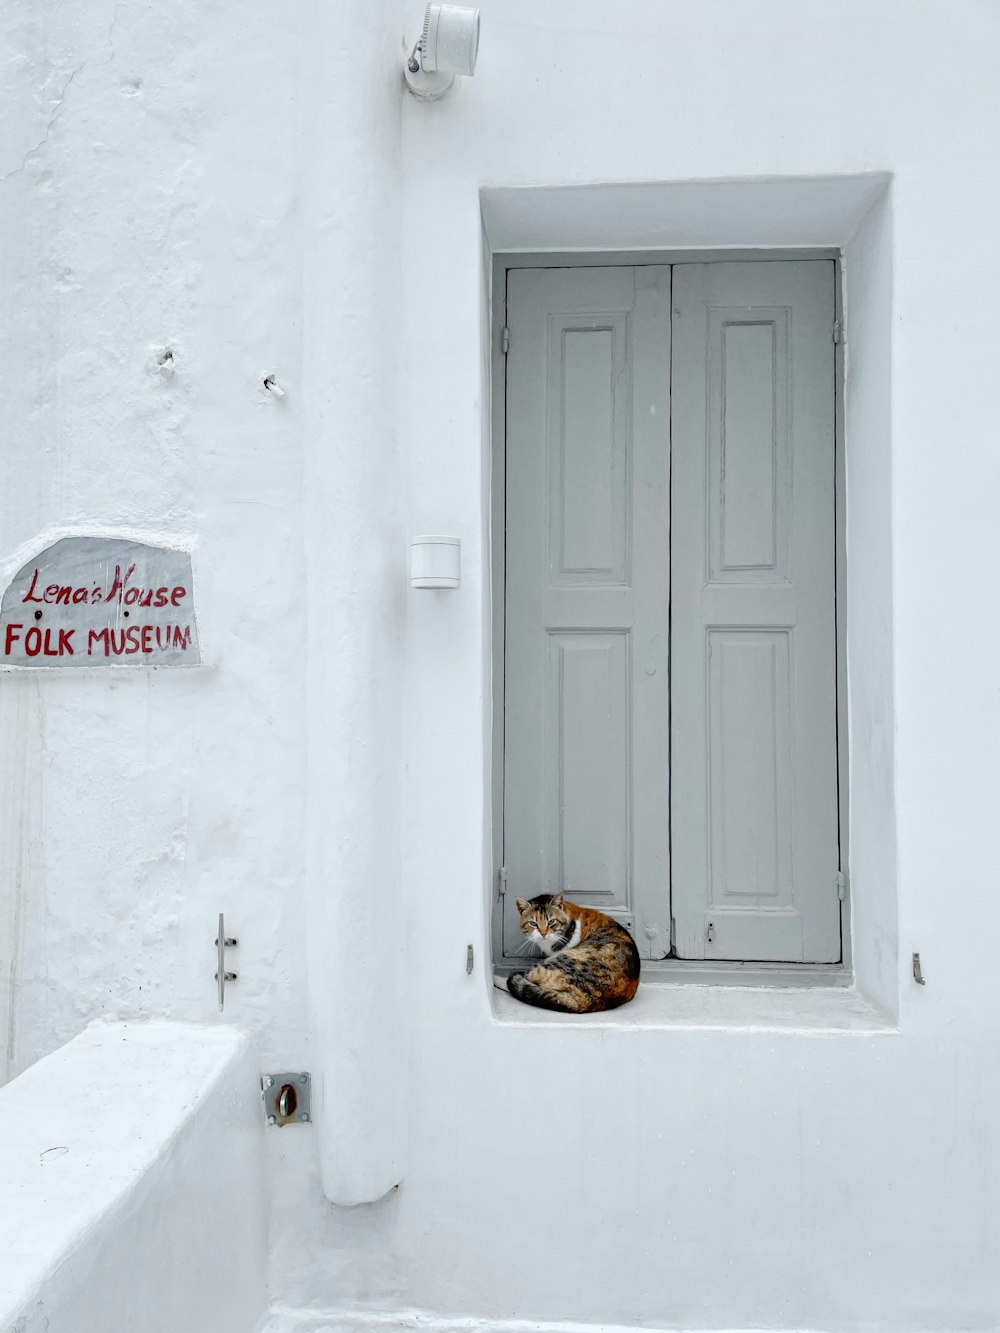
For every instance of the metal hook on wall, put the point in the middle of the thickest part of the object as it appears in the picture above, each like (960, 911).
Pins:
(222, 943)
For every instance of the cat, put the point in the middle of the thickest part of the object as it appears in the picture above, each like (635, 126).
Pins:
(592, 961)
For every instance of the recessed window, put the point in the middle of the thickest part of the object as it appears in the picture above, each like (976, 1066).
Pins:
(667, 671)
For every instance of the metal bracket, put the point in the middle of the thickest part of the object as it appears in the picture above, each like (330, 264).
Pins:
(918, 976)
(222, 943)
(287, 1097)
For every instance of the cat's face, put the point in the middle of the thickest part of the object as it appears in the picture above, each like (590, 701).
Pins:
(545, 922)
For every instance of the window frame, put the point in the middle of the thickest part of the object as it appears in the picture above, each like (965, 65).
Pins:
(670, 970)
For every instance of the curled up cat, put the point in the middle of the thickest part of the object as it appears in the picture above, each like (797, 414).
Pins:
(591, 964)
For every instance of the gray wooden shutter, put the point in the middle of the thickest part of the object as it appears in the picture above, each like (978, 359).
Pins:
(586, 746)
(753, 643)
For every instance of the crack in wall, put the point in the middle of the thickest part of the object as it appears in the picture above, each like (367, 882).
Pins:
(111, 32)
(43, 141)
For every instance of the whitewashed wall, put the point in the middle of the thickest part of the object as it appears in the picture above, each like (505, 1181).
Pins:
(230, 181)
(151, 203)
(723, 1178)
(131, 1164)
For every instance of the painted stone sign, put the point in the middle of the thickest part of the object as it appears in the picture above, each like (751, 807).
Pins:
(100, 601)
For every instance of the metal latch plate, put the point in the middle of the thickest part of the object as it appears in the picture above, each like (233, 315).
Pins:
(287, 1097)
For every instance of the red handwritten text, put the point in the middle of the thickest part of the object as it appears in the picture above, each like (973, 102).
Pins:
(121, 590)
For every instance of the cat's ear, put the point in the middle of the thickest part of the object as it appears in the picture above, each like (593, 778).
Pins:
(557, 900)
(521, 904)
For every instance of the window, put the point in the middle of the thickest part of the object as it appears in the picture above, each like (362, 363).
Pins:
(669, 677)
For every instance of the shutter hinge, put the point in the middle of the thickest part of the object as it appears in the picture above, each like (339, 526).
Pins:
(838, 332)
(505, 340)
(673, 933)
(841, 885)
(501, 881)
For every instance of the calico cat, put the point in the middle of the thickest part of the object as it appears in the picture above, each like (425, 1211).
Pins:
(592, 961)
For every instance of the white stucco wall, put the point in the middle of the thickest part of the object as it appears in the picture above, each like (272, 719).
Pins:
(724, 1178)
(131, 1161)
(151, 202)
(251, 189)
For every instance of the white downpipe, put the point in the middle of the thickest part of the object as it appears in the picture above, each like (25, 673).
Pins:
(356, 579)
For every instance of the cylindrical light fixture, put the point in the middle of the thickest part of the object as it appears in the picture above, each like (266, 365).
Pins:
(435, 561)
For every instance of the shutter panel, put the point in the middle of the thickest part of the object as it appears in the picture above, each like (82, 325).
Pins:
(753, 638)
(586, 745)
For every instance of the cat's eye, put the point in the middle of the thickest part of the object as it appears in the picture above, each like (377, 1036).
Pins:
(554, 925)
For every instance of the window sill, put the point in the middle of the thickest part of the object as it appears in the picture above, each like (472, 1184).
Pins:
(662, 1004)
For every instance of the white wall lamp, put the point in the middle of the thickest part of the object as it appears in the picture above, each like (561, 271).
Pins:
(448, 45)
(435, 561)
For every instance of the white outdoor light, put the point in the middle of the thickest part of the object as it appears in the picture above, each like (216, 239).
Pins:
(435, 561)
(448, 45)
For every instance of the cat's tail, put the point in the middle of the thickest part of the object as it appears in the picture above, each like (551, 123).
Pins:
(529, 992)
